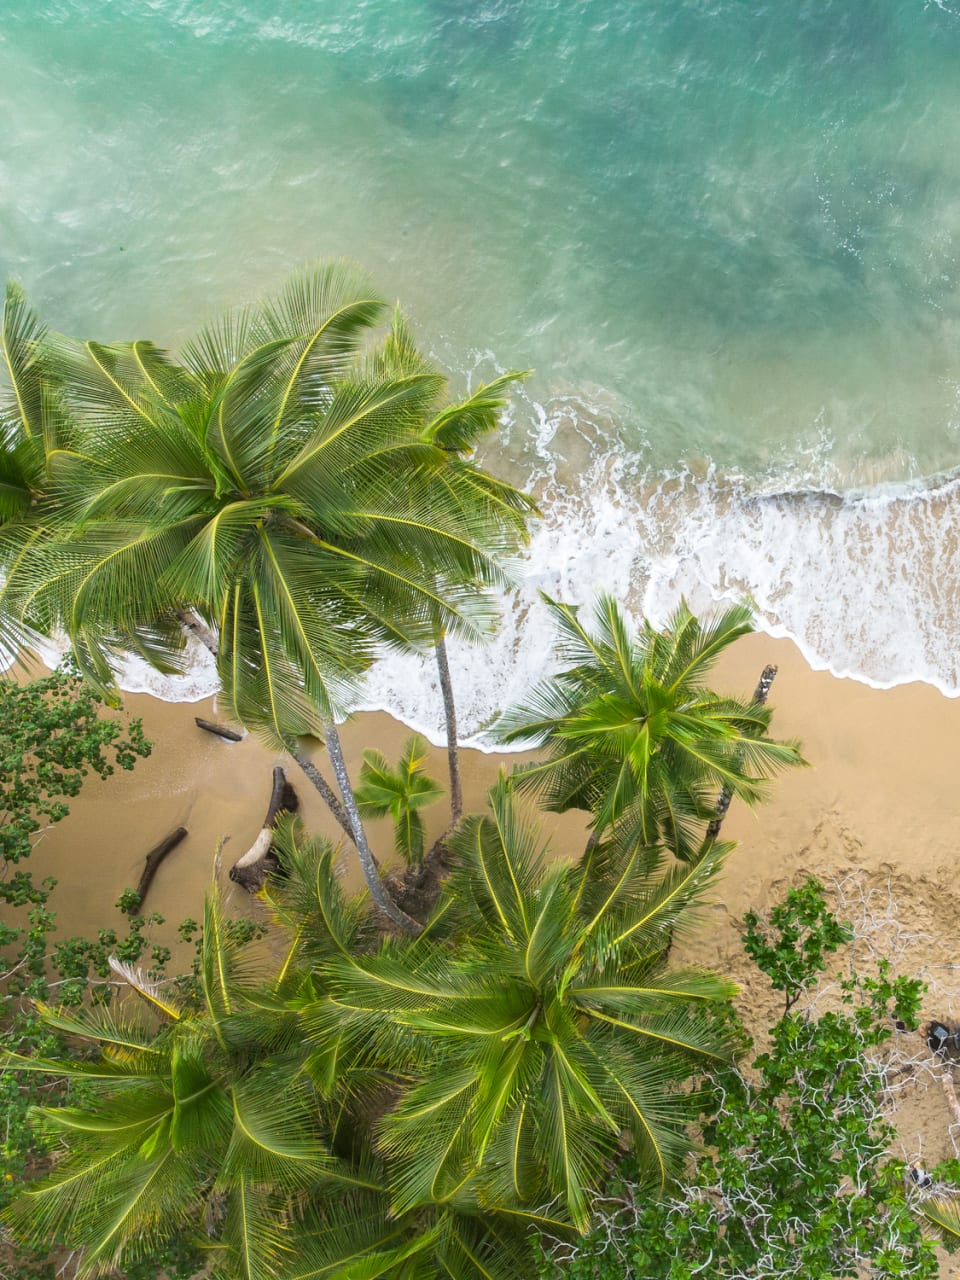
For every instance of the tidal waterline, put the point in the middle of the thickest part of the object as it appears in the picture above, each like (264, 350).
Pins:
(724, 234)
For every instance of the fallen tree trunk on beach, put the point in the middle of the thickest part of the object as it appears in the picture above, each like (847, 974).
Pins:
(259, 862)
(154, 858)
(220, 730)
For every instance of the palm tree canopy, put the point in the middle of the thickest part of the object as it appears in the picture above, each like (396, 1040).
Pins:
(229, 1125)
(282, 482)
(553, 1030)
(400, 792)
(209, 1118)
(31, 423)
(21, 393)
(633, 733)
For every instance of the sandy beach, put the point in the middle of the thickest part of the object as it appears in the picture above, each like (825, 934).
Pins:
(876, 810)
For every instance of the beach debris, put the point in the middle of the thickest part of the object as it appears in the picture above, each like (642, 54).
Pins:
(943, 1038)
(220, 730)
(153, 860)
(259, 862)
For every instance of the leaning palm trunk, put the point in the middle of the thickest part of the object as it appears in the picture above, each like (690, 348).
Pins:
(367, 860)
(193, 623)
(767, 677)
(197, 627)
(347, 814)
(450, 718)
(326, 791)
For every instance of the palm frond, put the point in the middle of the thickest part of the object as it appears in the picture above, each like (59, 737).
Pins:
(460, 426)
(22, 336)
(107, 1026)
(150, 991)
(497, 865)
(944, 1214)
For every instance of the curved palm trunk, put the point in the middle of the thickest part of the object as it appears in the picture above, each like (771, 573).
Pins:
(326, 791)
(193, 623)
(197, 627)
(252, 868)
(367, 860)
(767, 677)
(450, 718)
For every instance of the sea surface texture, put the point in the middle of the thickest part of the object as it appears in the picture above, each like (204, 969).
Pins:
(724, 234)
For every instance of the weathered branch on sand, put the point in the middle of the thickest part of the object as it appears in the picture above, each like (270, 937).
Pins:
(259, 862)
(154, 858)
(220, 730)
(950, 1094)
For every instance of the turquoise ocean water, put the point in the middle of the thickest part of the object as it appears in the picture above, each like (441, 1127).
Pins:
(724, 233)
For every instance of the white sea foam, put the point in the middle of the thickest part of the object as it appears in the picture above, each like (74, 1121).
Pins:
(867, 582)
(196, 682)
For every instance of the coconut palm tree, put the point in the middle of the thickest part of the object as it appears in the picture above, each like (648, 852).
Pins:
(281, 485)
(219, 1121)
(400, 792)
(30, 422)
(458, 429)
(633, 733)
(543, 1020)
(207, 1125)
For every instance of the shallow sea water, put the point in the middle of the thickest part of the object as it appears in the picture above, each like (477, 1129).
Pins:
(723, 232)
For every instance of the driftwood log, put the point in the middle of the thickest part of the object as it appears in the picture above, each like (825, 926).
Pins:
(154, 858)
(259, 862)
(950, 1093)
(943, 1041)
(220, 730)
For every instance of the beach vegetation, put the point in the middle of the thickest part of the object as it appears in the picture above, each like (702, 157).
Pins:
(634, 735)
(399, 792)
(55, 734)
(391, 1106)
(293, 490)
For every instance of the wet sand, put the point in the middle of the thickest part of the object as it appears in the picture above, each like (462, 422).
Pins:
(880, 803)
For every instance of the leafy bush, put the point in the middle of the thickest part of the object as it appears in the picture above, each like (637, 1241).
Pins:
(53, 735)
